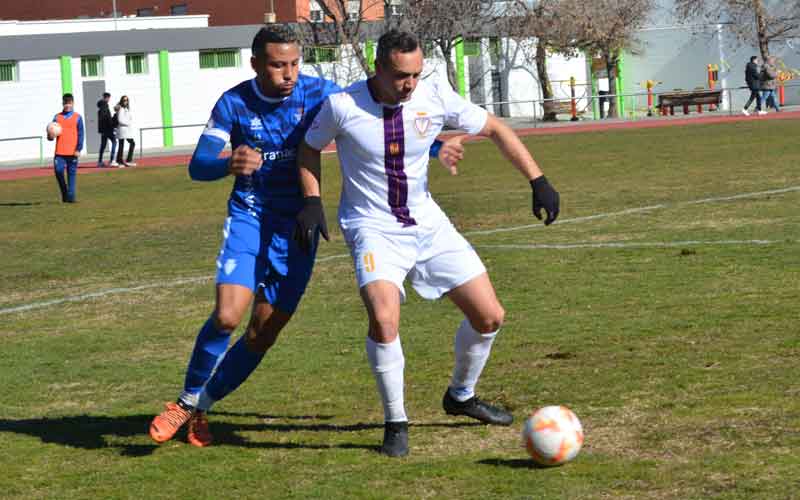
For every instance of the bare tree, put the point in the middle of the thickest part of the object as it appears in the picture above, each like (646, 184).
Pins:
(445, 22)
(751, 21)
(347, 17)
(606, 28)
(554, 27)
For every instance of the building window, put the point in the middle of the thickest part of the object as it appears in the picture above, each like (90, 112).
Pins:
(395, 8)
(136, 64)
(8, 71)
(91, 66)
(353, 10)
(178, 10)
(495, 50)
(472, 47)
(145, 12)
(219, 58)
(316, 15)
(320, 54)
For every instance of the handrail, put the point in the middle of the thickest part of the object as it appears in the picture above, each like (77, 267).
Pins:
(28, 137)
(141, 136)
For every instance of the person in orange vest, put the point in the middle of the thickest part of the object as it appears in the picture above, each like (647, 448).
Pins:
(69, 144)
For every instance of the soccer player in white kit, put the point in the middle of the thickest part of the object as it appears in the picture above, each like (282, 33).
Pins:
(383, 129)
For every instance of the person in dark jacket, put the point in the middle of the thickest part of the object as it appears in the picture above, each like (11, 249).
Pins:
(752, 76)
(105, 128)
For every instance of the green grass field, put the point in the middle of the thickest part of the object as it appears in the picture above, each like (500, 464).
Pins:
(672, 331)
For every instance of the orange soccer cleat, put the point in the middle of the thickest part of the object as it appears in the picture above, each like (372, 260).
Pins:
(198, 434)
(164, 426)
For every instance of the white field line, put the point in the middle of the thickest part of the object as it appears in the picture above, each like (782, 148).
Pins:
(638, 210)
(103, 293)
(184, 281)
(631, 244)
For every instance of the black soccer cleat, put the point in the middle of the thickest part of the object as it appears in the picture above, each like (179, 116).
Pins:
(395, 439)
(476, 409)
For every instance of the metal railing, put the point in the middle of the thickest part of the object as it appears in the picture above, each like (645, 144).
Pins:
(141, 133)
(27, 138)
(639, 108)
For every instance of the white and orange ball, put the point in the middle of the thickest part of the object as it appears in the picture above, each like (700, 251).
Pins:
(553, 435)
(53, 129)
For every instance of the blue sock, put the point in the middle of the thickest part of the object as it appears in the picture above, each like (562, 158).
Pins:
(209, 348)
(238, 363)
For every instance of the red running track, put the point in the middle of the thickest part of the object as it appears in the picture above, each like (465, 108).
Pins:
(172, 160)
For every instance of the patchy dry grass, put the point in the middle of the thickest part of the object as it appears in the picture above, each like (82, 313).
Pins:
(679, 361)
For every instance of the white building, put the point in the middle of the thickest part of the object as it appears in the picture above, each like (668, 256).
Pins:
(173, 75)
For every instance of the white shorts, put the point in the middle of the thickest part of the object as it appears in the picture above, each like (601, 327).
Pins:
(435, 260)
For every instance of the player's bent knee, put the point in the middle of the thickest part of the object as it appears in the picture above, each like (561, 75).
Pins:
(384, 326)
(227, 319)
(259, 341)
(490, 321)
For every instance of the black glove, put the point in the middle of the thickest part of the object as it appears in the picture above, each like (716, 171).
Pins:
(544, 196)
(309, 221)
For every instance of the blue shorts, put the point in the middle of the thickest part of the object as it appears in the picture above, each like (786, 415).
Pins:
(261, 254)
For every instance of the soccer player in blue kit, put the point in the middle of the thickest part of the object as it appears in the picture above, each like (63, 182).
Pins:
(264, 119)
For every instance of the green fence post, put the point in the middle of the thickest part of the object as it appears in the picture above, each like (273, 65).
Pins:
(369, 48)
(166, 97)
(462, 86)
(66, 74)
(621, 84)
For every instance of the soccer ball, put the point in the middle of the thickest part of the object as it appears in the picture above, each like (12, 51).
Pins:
(553, 435)
(53, 129)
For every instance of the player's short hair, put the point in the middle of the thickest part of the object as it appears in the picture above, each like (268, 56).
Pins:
(274, 33)
(753, 59)
(394, 39)
(67, 98)
(106, 94)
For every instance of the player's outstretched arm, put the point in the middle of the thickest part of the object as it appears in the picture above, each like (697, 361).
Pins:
(311, 218)
(544, 196)
(206, 165)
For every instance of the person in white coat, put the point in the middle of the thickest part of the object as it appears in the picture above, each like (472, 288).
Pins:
(125, 132)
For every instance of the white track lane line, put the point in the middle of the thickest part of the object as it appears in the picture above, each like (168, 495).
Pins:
(183, 281)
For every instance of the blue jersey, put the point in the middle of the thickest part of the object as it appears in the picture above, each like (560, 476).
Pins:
(274, 126)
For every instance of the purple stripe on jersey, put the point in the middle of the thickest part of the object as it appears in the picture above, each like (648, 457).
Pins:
(394, 151)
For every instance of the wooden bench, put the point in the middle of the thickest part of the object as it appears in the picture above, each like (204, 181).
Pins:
(668, 100)
(563, 107)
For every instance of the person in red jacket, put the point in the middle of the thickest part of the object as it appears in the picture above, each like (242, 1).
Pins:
(69, 144)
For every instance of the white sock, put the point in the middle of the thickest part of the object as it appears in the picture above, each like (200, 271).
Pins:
(189, 398)
(472, 350)
(387, 363)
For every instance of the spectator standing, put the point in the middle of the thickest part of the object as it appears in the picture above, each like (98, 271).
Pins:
(125, 132)
(69, 144)
(752, 76)
(769, 82)
(105, 128)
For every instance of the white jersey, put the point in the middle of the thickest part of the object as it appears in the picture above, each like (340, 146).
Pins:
(384, 151)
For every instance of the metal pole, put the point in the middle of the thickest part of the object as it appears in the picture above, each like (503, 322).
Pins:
(730, 102)
(114, 13)
(141, 146)
(41, 151)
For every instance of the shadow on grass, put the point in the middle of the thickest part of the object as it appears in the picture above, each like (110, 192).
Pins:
(516, 463)
(93, 432)
(20, 204)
